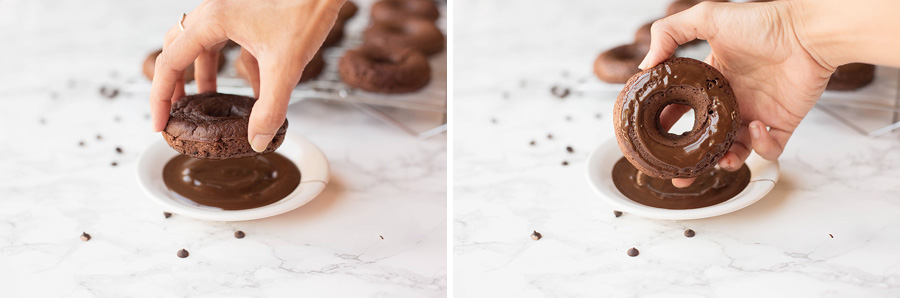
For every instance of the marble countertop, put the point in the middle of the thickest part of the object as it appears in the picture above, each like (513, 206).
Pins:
(56, 57)
(829, 228)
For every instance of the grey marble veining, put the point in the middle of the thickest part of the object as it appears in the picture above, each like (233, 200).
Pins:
(55, 58)
(508, 56)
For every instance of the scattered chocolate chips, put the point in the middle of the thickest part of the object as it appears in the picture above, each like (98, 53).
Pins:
(536, 236)
(597, 115)
(167, 214)
(829, 235)
(99, 137)
(565, 163)
(183, 253)
(119, 150)
(382, 237)
(109, 92)
(568, 118)
(689, 233)
(617, 213)
(114, 164)
(560, 92)
(81, 143)
(239, 234)
(633, 252)
(550, 136)
(85, 236)
(532, 143)
(494, 120)
(569, 148)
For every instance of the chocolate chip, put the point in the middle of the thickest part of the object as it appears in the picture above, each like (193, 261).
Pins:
(536, 236)
(829, 235)
(85, 236)
(167, 214)
(239, 234)
(568, 118)
(119, 150)
(617, 213)
(689, 233)
(533, 142)
(109, 92)
(114, 164)
(559, 91)
(183, 253)
(565, 163)
(494, 120)
(549, 136)
(597, 115)
(569, 148)
(633, 252)
(382, 237)
(81, 143)
(99, 137)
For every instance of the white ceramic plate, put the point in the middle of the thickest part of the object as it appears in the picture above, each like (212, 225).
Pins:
(763, 176)
(313, 178)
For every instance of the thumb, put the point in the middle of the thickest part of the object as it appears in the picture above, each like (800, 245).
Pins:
(668, 33)
(276, 83)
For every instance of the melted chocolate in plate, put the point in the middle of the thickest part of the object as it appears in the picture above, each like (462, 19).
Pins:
(309, 160)
(763, 175)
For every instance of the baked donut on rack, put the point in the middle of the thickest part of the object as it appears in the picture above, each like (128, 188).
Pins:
(385, 70)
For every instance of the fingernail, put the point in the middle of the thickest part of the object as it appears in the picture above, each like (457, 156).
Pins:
(754, 130)
(643, 65)
(260, 142)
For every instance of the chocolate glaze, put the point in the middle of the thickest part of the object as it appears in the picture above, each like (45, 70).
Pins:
(232, 184)
(710, 188)
(677, 81)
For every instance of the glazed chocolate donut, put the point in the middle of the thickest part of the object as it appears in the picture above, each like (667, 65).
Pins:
(392, 10)
(642, 36)
(682, 5)
(348, 10)
(851, 76)
(313, 68)
(150, 66)
(618, 64)
(413, 33)
(214, 126)
(385, 70)
(658, 153)
(335, 35)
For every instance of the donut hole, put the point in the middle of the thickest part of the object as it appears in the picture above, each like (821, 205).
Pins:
(684, 125)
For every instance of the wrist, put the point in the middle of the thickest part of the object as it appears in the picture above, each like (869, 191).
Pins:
(836, 32)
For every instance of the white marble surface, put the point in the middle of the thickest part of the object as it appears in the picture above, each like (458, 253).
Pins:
(57, 55)
(509, 53)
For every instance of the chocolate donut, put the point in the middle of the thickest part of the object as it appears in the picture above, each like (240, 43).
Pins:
(682, 5)
(335, 35)
(150, 66)
(313, 68)
(851, 76)
(392, 10)
(348, 10)
(658, 153)
(214, 126)
(413, 33)
(618, 64)
(642, 35)
(385, 70)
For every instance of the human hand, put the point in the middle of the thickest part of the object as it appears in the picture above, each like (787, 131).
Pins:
(775, 79)
(280, 36)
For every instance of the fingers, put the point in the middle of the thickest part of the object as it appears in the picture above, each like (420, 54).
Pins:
(667, 33)
(682, 182)
(206, 67)
(177, 55)
(768, 143)
(670, 114)
(276, 84)
(251, 70)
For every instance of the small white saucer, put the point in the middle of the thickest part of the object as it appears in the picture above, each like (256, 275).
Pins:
(309, 159)
(763, 176)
